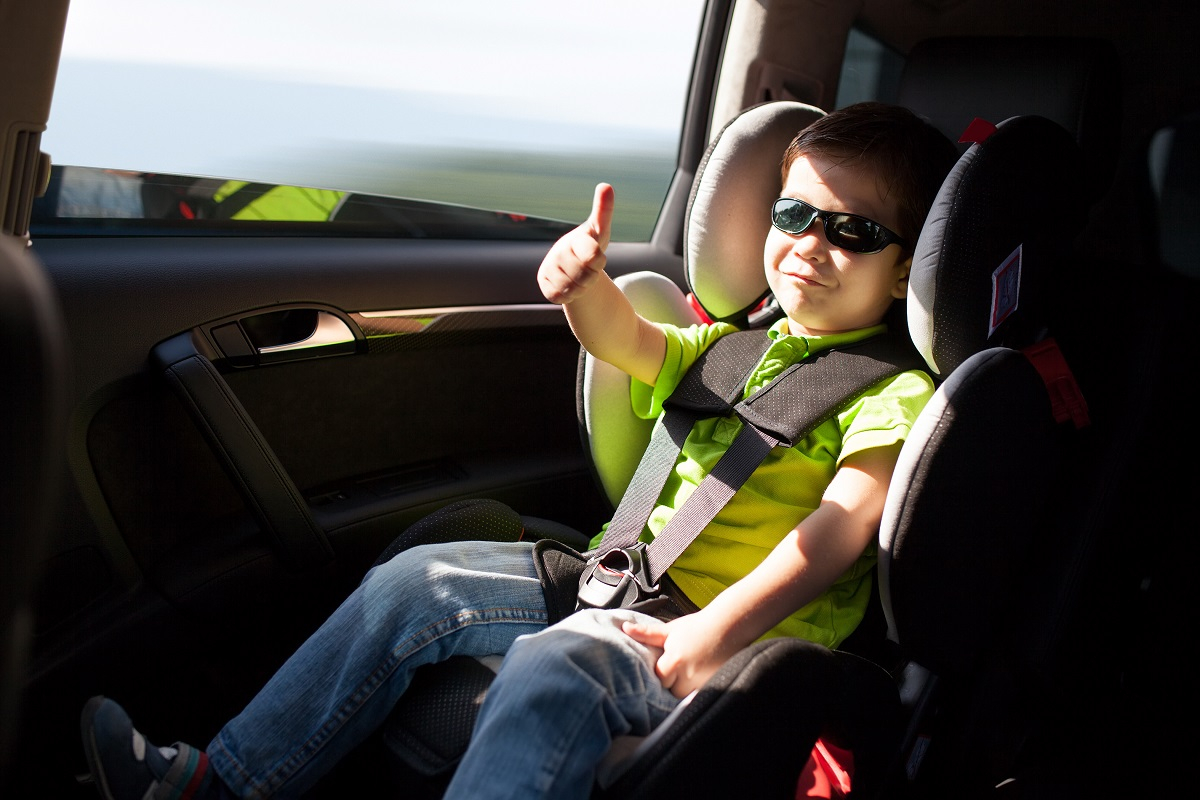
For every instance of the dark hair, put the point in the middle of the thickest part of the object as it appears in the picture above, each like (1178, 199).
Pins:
(909, 155)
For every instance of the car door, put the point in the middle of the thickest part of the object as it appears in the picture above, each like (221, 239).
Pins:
(263, 397)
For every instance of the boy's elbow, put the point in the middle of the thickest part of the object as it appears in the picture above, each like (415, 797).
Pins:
(651, 349)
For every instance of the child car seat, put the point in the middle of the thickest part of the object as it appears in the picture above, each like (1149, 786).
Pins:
(983, 579)
(854, 702)
(976, 493)
(972, 508)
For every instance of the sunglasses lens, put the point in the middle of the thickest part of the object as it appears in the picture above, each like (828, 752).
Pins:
(856, 234)
(792, 216)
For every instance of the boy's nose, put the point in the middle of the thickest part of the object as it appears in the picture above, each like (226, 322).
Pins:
(810, 241)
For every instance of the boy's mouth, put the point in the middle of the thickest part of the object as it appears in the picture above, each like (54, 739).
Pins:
(804, 279)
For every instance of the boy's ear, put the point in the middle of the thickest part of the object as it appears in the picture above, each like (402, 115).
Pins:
(900, 289)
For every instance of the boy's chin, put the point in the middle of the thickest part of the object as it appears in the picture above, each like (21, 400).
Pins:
(798, 328)
(806, 325)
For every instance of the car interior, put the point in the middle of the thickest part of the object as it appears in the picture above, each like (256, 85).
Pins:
(212, 432)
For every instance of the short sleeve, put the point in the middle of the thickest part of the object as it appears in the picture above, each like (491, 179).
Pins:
(885, 413)
(684, 346)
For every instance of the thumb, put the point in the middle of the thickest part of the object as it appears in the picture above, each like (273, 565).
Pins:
(600, 222)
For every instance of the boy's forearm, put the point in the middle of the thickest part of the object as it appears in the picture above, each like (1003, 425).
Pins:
(813, 555)
(607, 326)
(764, 598)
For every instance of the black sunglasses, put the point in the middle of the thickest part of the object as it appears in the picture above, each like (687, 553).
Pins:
(849, 232)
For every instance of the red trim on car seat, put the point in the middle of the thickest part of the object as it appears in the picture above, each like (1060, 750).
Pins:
(1066, 400)
(827, 774)
(979, 130)
(699, 309)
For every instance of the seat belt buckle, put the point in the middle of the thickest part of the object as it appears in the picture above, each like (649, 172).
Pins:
(615, 579)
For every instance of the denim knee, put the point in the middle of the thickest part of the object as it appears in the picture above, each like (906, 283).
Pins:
(588, 643)
(436, 582)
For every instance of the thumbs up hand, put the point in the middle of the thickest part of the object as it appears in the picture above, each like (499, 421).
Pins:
(601, 316)
(576, 259)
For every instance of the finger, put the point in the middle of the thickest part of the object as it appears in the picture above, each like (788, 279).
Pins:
(650, 635)
(564, 270)
(551, 289)
(602, 212)
(550, 276)
(589, 254)
(665, 676)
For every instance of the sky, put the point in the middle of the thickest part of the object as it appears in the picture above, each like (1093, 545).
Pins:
(213, 78)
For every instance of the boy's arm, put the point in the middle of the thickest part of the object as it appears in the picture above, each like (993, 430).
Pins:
(572, 274)
(806, 563)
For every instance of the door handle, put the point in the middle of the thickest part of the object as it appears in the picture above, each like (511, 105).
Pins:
(328, 330)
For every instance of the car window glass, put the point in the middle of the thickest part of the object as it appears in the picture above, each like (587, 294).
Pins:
(870, 71)
(516, 107)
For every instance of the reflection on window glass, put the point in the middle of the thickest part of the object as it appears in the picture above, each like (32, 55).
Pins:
(516, 107)
(88, 200)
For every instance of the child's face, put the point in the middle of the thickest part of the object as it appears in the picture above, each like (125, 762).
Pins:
(824, 289)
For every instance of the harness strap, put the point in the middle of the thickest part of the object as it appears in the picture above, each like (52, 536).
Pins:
(646, 485)
(748, 450)
(782, 412)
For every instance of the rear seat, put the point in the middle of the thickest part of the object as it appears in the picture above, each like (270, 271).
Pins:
(1072, 81)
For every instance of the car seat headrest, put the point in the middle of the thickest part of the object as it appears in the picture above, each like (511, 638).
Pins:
(995, 247)
(1175, 180)
(728, 213)
(1072, 81)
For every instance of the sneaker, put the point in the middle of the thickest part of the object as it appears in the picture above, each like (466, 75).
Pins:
(127, 767)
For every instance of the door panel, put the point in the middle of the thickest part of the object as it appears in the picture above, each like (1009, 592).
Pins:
(460, 383)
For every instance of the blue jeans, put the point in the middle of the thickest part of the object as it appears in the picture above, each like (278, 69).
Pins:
(562, 694)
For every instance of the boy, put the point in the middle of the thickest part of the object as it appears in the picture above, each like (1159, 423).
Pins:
(790, 554)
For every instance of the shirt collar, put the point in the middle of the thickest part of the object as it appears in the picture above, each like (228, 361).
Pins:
(810, 345)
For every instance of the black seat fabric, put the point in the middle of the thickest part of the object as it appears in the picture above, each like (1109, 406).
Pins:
(760, 712)
(1029, 168)
(1150, 559)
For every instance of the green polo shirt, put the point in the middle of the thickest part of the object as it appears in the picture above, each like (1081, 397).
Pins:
(786, 487)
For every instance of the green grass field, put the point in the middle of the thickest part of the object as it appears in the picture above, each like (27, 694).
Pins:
(554, 185)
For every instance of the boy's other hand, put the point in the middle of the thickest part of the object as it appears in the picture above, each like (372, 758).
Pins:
(575, 259)
(692, 652)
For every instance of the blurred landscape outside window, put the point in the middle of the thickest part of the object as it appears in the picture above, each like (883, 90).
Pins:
(518, 107)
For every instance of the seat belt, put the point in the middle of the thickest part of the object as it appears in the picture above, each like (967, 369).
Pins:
(803, 396)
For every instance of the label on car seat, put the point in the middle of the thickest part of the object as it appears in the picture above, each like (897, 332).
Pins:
(1006, 288)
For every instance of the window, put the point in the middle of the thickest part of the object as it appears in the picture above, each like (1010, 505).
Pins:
(870, 71)
(164, 110)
